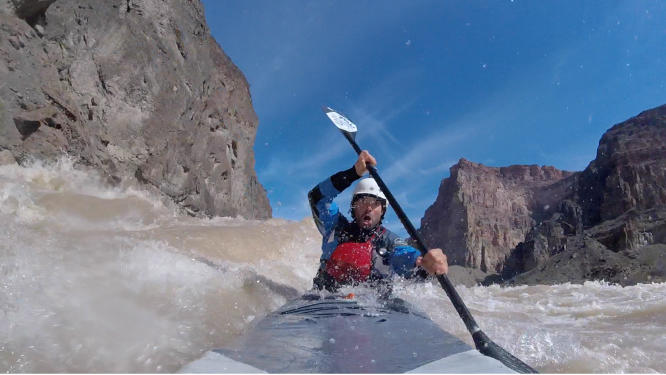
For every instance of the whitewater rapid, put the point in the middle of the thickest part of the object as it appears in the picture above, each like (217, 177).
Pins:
(95, 278)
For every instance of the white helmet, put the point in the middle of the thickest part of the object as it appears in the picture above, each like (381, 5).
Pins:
(368, 186)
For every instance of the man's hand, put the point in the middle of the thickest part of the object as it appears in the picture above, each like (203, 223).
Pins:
(434, 262)
(364, 159)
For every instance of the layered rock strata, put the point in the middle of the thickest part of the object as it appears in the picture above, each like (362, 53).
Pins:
(607, 222)
(482, 213)
(135, 88)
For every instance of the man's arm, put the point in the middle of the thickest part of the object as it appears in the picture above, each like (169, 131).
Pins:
(434, 262)
(405, 259)
(324, 210)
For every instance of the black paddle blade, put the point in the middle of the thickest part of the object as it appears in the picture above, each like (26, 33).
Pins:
(487, 347)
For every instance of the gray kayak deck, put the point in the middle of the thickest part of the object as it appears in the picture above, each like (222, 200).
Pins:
(333, 335)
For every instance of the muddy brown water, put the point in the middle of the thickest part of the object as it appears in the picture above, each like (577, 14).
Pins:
(102, 279)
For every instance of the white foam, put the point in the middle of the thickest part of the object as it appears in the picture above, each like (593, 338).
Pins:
(123, 283)
(591, 327)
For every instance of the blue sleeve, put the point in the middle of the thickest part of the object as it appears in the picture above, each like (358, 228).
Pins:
(403, 261)
(324, 210)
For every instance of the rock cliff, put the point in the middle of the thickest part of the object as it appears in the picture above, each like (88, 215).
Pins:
(607, 222)
(482, 213)
(135, 88)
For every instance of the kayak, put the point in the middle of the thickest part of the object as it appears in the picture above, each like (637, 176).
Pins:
(336, 334)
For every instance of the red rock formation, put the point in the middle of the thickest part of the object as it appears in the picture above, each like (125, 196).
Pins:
(482, 213)
(541, 225)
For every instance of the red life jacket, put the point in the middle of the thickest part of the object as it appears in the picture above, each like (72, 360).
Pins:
(351, 261)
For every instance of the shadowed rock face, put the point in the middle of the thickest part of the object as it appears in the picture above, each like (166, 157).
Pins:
(482, 213)
(546, 226)
(136, 88)
(629, 171)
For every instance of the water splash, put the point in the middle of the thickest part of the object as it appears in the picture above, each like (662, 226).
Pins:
(113, 279)
(593, 327)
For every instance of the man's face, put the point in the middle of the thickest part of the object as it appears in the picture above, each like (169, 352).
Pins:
(367, 212)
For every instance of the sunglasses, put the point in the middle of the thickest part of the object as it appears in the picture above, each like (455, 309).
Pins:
(368, 201)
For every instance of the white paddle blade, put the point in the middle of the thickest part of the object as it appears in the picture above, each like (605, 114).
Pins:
(340, 121)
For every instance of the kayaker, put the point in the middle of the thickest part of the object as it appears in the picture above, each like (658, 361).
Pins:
(363, 250)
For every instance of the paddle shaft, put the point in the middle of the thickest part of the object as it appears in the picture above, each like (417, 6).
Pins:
(444, 281)
(482, 342)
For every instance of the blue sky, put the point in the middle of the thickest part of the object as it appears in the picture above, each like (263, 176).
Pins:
(430, 82)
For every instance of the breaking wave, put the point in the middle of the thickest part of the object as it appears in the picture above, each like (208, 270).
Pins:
(97, 278)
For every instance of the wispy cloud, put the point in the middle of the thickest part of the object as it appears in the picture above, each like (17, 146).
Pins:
(438, 169)
(284, 165)
(299, 56)
(294, 207)
(428, 152)
(381, 104)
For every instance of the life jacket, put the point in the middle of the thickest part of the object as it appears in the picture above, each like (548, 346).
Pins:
(351, 262)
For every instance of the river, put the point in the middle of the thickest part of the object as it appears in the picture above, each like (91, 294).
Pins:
(95, 278)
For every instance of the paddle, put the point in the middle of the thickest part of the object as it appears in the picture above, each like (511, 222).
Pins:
(483, 344)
